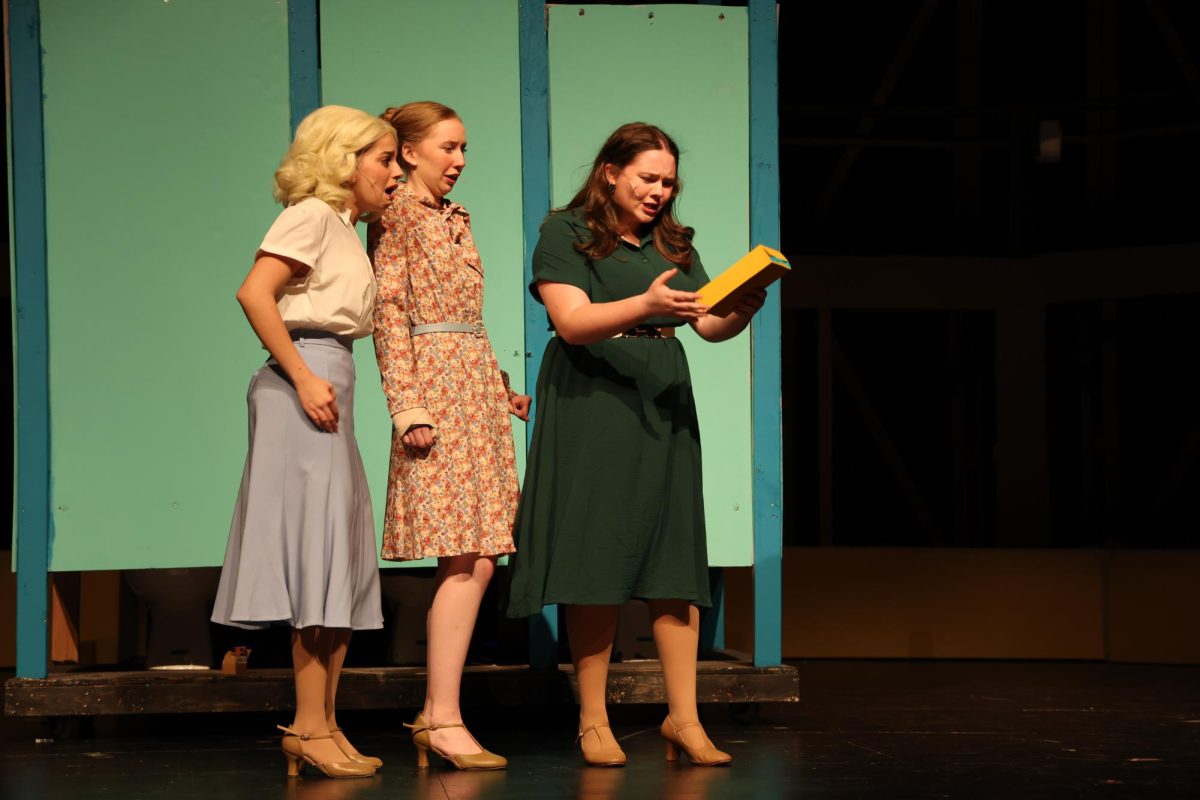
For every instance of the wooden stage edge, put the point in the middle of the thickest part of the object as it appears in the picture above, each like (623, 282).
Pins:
(196, 691)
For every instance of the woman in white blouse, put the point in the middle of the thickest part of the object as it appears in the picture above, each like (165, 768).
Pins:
(302, 544)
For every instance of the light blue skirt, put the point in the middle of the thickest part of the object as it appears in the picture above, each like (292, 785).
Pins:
(302, 548)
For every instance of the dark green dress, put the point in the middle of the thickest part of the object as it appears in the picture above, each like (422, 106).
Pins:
(613, 506)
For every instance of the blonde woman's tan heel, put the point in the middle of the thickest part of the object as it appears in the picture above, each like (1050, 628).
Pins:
(672, 751)
(292, 745)
(339, 738)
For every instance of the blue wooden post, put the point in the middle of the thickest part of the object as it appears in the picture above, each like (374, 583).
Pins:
(33, 519)
(304, 63)
(712, 620)
(535, 194)
(767, 413)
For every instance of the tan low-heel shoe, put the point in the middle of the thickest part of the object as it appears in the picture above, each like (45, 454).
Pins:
(465, 761)
(602, 754)
(691, 739)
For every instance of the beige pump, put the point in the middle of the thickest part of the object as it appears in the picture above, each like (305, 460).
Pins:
(691, 739)
(343, 743)
(465, 761)
(292, 745)
(602, 754)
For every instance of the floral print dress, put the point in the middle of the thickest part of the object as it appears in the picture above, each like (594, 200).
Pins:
(460, 495)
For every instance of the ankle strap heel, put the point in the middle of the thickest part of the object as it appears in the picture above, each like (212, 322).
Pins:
(292, 745)
(465, 761)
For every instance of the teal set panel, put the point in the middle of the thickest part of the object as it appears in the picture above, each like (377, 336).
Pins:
(27, 226)
(685, 69)
(369, 60)
(767, 334)
(304, 59)
(164, 122)
(535, 188)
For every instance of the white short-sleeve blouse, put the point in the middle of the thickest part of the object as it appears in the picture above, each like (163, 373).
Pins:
(338, 292)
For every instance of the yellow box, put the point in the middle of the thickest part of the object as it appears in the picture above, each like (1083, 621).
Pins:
(755, 270)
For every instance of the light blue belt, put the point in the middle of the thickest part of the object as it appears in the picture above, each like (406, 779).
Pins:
(448, 327)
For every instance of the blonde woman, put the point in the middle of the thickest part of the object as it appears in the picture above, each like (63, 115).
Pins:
(452, 485)
(302, 544)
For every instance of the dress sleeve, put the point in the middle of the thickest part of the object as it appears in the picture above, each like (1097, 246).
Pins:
(508, 385)
(393, 339)
(296, 234)
(697, 271)
(555, 258)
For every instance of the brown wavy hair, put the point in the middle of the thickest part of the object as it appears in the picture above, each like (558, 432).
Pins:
(412, 122)
(594, 199)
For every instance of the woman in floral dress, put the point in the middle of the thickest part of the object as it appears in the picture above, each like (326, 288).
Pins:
(452, 483)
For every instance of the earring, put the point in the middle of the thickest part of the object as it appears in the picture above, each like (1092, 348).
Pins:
(612, 187)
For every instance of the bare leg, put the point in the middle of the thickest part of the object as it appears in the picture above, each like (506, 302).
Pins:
(460, 584)
(311, 673)
(676, 626)
(590, 630)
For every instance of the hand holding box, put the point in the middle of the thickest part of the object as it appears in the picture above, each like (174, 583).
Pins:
(757, 269)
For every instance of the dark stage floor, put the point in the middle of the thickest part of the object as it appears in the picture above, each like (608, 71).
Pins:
(861, 730)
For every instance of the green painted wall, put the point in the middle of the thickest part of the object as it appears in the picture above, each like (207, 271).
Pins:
(164, 122)
(463, 53)
(683, 68)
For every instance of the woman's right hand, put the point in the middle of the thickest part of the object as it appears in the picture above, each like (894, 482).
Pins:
(319, 402)
(420, 436)
(661, 300)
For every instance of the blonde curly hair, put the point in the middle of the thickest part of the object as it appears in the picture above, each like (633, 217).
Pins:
(324, 155)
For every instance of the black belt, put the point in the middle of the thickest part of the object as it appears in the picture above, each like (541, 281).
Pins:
(647, 332)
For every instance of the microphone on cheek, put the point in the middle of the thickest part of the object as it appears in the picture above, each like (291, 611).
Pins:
(375, 186)
(633, 191)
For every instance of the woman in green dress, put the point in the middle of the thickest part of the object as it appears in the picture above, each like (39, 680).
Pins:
(613, 506)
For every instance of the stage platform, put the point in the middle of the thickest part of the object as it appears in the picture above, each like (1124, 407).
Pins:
(206, 691)
(911, 730)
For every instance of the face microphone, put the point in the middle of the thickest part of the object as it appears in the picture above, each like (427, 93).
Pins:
(375, 186)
